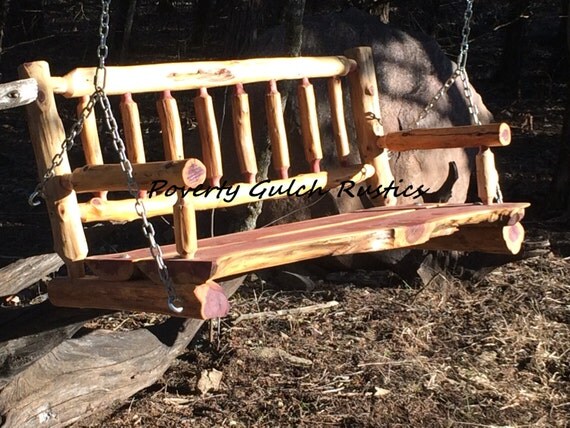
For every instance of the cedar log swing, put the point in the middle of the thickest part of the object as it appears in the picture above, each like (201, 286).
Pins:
(129, 280)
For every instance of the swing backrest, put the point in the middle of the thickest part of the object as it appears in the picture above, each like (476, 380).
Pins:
(195, 79)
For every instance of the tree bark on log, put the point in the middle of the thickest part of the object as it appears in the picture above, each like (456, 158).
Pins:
(25, 272)
(24, 340)
(83, 375)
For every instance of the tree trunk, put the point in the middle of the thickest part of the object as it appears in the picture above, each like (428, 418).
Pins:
(561, 182)
(4, 8)
(514, 47)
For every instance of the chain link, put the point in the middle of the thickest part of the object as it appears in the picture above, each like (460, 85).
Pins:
(460, 71)
(99, 96)
(126, 166)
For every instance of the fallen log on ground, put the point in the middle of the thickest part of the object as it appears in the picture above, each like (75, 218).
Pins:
(83, 375)
(25, 272)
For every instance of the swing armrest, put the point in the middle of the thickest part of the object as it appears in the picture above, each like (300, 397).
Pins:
(492, 135)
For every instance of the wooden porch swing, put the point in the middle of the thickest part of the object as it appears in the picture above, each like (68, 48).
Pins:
(130, 280)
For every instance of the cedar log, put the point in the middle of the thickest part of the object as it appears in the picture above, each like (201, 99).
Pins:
(47, 135)
(196, 75)
(203, 301)
(93, 178)
(492, 135)
(496, 240)
(366, 111)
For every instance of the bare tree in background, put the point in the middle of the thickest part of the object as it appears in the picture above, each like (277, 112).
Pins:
(561, 183)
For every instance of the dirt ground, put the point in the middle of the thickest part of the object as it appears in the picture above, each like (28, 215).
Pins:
(453, 353)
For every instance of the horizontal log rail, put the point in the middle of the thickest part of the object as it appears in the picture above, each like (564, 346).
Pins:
(492, 135)
(195, 75)
(110, 177)
(122, 210)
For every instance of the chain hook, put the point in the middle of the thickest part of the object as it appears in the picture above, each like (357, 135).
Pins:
(33, 200)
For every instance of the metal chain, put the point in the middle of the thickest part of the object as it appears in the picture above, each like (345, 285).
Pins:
(460, 72)
(66, 146)
(99, 96)
(127, 167)
(461, 66)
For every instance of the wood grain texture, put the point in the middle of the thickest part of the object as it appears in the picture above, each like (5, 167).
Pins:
(171, 127)
(491, 135)
(310, 124)
(111, 177)
(243, 135)
(90, 139)
(358, 232)
(487, 175)
(25, 272)
(338, 119)
(200, 74)
(495, 240)
(211, 151)
(47, 135)
(367, 118)
(132, 128)
(121, 210)
(277, 131)
(18, 93)
(200, 301)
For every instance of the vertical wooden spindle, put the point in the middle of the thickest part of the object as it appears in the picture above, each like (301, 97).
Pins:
(487, 175)
(133, 134)
(90, 140)
(171, 127)
(338, 120)
(242, 134)
(209, 136)
(277, 132)
(366, 111)
(185, 231)
(132, 128)
(310, 125)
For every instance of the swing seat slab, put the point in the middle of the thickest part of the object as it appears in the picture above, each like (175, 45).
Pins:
(128, 281)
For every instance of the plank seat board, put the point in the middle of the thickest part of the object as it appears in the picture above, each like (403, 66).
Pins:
(356, 232)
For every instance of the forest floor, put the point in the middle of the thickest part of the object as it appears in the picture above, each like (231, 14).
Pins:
(453, 353)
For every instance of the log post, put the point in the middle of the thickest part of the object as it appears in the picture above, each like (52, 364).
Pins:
(185, 231)
(242, 134)
(47, 134)
(310, 125)
(277, 132)
(367, 116)
(487, 175)
(338, 120)
(90, 140)
(209, 136)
